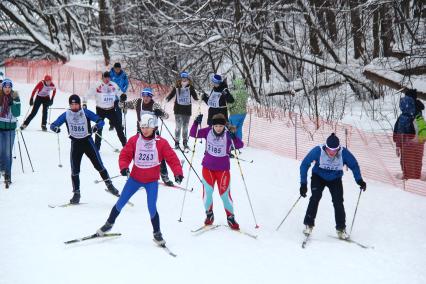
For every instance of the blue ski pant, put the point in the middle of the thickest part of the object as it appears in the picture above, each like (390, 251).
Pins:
(7, 138)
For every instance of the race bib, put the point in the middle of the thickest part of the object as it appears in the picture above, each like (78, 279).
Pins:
(45, 92)
(183, 96)
(216, 146)
(105, 96)
(331, 163)
(146, 154)
(214, 99)
(77, 124)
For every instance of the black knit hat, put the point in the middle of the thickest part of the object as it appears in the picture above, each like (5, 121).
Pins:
(333, 141)
(74, 99)
(117, 65)
(106, 75)
(411, 93)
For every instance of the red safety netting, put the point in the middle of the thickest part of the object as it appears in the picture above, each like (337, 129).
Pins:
(284, 133)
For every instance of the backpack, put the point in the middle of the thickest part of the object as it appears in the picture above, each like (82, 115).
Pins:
(421, 128)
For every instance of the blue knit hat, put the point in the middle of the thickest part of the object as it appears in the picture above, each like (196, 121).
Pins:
(7, 82)
(332, 142)
(216, 79)
(184, 74)
(147, 92)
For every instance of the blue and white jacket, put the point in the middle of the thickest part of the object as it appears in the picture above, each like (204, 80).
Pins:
(120, 79)
(329, 168)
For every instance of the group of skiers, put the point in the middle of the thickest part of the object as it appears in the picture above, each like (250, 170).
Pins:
(150, 153)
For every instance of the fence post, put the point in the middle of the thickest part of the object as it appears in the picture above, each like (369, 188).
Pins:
(249, 130)
(295, 134)
(73, 82)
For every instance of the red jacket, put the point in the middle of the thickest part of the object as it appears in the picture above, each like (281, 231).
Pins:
(43, 90)
(165, 152)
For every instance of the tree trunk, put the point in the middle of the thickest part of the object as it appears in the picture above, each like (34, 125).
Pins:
(386, 29)
(356, 28)
(105, 24)
(376, 37)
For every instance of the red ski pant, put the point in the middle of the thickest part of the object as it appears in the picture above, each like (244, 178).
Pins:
(222, 178)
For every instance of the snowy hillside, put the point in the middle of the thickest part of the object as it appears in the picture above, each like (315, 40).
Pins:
(32, 234)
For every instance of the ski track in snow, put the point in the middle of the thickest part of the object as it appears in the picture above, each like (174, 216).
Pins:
(32, 234)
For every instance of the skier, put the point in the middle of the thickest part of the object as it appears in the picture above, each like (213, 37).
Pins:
(77, 120)
(10, 109)
(119, 77)
(216, 165)
(328, 171)
(145, 104)
(146, 149)
(406, 135)
(43, 89)
(183, 91)
(218, 98)
(105, 94)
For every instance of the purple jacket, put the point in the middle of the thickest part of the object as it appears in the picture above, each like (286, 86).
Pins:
(211, 162)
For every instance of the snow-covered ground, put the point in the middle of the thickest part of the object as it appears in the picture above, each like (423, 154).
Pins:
(32, 235)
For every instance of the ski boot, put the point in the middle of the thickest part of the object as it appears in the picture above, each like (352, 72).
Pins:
(308, 230)
(44, 128)
(23, 126)
(76, 197)
(177, 147)
(158, 239)
(7, 180)
(341, 234)
(209, 218)
(185, 147)
(112, 189)
(104, 229)
(167, 181)
(232, 223)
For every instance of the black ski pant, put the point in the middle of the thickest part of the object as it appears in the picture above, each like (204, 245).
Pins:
(37, 103)
(78, 148)
(112, 116)
(118, 112)
(336, 190)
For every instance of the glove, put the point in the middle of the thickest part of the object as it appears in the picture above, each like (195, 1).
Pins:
(95, 128)
(123, 97)
(56, 129)
(51, 102)
(303, 189)
(31, 102)
(232, 134)
(362, 184)
(158, 112)
(11, 102)
(204, 96)
(125, 172)
(199, 119)
(178, 179)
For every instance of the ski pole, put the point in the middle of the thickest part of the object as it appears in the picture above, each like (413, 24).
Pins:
(104, 180)
(26, 149)
(183, 153)
(189, 173)
(248, 161)
(20, 153)
(291, 209)
(244, 181)
(59, 151)
(356, 208)
(115, 149)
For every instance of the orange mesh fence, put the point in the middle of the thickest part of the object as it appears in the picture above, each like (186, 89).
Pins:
(283, 133)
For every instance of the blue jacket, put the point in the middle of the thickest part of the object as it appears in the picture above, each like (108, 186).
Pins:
(91, 116)
(314, 155)
(120, 79)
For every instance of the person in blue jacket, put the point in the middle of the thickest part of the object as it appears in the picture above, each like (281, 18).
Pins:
(328, 171)
(119, 77)
(77, 120)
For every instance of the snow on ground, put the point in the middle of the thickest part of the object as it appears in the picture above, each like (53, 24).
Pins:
(32, 235)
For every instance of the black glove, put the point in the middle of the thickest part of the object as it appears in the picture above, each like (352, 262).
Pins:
(303, 189)
(362, 184)
(158, 112)
(50, 102)
(56, 129)
(178, 179)
(204, 96)
(232, 134)
(199, 119)
(123, 97)
(11, 102)
(31, 102)
(95, 128)
(125, 172)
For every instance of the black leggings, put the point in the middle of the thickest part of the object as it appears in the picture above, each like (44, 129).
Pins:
(112, 116)
(37, 103)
